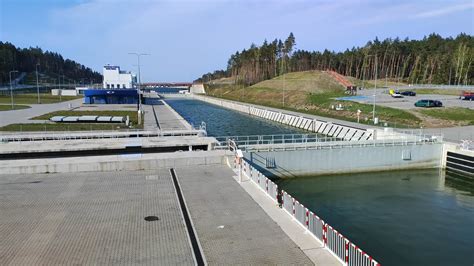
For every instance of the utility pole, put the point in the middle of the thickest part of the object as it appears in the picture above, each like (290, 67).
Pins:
(375, 88)
(11, 89)
(37, 86)
(138, 87)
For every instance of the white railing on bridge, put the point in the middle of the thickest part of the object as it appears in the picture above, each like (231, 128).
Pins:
(341, 247)
(315, 141)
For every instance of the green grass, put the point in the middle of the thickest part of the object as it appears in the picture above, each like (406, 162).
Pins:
(32, 98)
(7, 107)
(392, 116)
(131, 114)
(453, 113)
(60, 127)
(438, 91)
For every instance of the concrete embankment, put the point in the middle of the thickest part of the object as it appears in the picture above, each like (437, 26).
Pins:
(338, 158)
(325, 127)
(122, 162)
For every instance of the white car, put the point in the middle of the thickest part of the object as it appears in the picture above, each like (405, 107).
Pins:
(397, 95)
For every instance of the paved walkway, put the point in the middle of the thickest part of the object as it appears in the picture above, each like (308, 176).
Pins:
(91, 219)
(23, 116)
(231, 227)
(166, 117)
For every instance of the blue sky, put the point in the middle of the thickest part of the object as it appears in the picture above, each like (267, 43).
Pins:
(188, 38)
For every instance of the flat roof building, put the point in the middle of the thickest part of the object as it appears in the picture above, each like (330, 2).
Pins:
(114, 78)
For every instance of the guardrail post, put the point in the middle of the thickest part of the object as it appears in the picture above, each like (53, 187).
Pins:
(307, 218)
(325, 234)
(347, 250)
(294, 210)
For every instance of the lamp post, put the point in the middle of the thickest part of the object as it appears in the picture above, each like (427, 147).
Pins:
(138, 87)
(37, 86)
(11, 89)
(375, 86)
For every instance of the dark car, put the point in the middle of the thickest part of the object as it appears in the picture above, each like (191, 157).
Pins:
(408, 93)
(428, 103)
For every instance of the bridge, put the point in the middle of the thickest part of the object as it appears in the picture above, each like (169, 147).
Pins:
(184, 85)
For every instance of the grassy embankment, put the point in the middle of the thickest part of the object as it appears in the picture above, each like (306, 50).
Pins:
(32, 98)
(8, 107)
(48, 126)
(312, 92)
(454, 114)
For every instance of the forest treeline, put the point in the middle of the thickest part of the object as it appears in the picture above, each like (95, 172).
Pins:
(50, 63)
(432, 60)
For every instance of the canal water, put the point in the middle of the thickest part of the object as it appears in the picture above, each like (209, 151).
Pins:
(224, 122)
(416, 217)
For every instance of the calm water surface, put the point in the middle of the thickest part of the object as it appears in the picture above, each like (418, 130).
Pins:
(225, 122)
(418, 217)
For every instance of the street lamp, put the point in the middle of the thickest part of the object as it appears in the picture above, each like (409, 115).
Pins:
(138, 87)
(37, 86)
(375, 86)
(11, 89)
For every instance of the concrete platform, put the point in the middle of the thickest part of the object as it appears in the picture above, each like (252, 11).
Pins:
(166, 118)
(231, 227)
(84, 218)
(95, 219)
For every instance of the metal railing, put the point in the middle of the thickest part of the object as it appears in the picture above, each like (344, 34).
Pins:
(244, 141)
(75, 135)
(315, 141)
(343, 249)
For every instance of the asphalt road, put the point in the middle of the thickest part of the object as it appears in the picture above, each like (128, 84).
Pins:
(408, 102)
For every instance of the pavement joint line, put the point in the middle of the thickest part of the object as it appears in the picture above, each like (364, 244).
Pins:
(193, 238)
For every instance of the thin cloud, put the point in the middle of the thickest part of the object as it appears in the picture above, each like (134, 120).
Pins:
(445, 10)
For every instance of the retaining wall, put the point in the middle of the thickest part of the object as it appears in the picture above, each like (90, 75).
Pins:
(129, 162)
(330, 160)
(313, 125)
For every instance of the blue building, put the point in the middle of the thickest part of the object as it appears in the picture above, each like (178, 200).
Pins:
(104, 96)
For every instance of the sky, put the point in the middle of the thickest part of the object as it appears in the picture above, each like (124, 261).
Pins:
(187, 38)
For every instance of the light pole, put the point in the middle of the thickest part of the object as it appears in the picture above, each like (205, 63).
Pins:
(138, 87)
(37, 86)
(375, 85)
(11, 89)
(375, 88)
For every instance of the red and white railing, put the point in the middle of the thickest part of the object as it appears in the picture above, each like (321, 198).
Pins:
(346, 251)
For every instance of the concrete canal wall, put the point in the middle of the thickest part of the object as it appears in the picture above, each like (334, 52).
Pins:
(334, 160)
(313, 125)
(124, 162)
(458, 160)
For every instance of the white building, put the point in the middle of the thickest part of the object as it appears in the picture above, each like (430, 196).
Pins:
(114, 78)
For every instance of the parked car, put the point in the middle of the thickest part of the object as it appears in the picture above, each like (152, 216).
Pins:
(396, 94)
(428, 103)
(467, 95)
(408, 93)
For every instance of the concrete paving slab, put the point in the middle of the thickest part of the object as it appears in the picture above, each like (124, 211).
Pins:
(97, 219)
(231, 227)
(311, 247)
